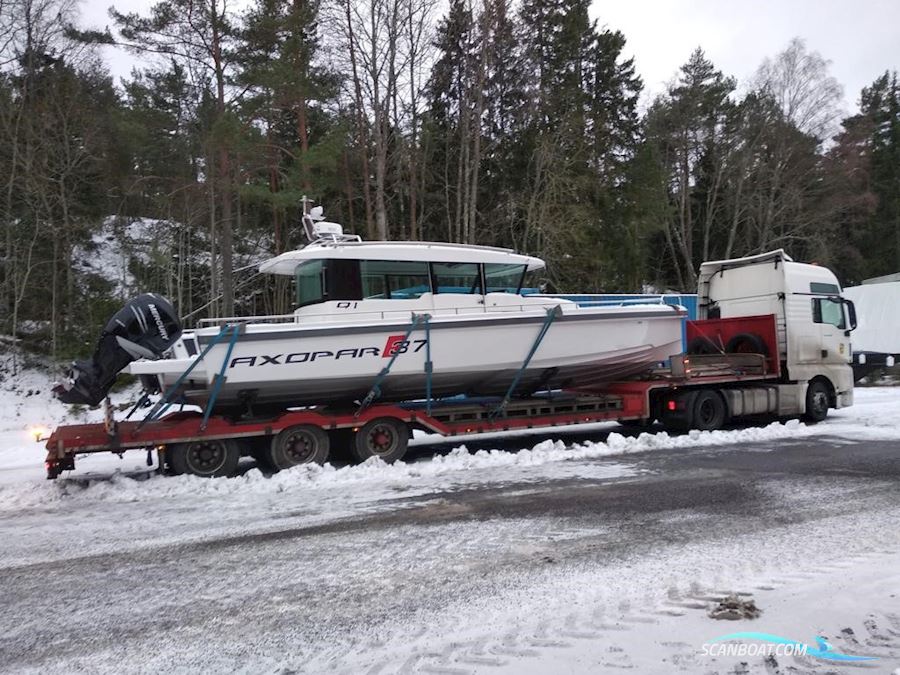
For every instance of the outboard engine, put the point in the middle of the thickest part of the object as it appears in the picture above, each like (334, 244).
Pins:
(144, 328)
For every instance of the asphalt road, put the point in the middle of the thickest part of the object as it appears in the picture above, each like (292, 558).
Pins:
(337, 594)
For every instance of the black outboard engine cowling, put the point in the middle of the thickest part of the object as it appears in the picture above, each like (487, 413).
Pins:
(144, 328)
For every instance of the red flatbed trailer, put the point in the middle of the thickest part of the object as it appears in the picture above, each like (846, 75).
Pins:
(667, 394)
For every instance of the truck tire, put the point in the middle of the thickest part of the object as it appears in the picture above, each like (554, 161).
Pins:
(747, 343)
(207, 458)
(818, 400)
(383, 437)
(709, 411)
(300, 444)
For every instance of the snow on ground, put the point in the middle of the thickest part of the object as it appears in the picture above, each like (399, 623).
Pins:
(838, 576)
(28, 408)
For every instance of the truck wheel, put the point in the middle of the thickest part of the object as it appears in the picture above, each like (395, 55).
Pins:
(204, 458)
(709, 411)
(383, 437)
(818, 399)
(301, 444)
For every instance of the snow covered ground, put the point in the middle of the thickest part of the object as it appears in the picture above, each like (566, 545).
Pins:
(513, 553)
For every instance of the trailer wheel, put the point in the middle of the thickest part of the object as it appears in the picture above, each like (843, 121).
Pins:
(204, 458)
(818, 400)
(301, 444)
(383, 437)
(709, 411)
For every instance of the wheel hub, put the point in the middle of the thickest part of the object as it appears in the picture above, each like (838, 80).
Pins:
(299, 448)
(380, 439)
(206, 456)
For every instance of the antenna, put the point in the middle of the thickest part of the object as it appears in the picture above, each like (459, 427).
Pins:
(308, 217)
(317, 230)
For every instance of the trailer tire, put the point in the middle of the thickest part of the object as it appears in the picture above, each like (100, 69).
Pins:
(747, 343)
(383, 437)
(300, 444)
(207, 458)
(709, 411)
(818, 400)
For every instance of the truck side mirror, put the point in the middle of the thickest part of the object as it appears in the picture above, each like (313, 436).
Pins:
(851, 313)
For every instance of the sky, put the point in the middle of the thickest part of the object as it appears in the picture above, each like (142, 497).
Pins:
(860, 37)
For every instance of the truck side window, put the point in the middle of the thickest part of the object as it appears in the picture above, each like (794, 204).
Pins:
(826, 310)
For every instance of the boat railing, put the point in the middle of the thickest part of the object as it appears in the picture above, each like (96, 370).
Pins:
(259, 318)
(370, 314)
(618, 299)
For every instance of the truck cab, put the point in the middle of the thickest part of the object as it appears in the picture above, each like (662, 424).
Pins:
(813, 321)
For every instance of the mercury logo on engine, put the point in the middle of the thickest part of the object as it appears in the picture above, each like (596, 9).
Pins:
(160, 326)
(395, 345)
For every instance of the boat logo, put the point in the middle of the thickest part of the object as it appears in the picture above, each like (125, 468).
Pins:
(395, 345)
(398, 344)
(160, 325)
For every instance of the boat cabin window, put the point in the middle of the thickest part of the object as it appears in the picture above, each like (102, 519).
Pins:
(456, 277)
(350, 279)
(393, 279)
(503, 278)
(310, 287)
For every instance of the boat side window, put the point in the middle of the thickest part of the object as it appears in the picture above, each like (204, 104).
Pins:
(309, 277)
(456, 277)
(827, 310)
(394, 279)
(342, 279)
(503, 278)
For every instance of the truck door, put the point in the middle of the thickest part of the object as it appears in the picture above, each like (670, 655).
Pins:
(828, 315)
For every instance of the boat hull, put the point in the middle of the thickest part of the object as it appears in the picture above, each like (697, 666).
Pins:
(292, 365)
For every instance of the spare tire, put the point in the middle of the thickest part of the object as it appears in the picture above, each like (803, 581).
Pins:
(703, 345)
(747, 343)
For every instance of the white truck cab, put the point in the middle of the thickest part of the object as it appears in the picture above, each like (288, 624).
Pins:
(813, 322)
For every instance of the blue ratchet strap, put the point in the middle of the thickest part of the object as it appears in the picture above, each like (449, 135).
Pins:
(163, 404)
(429, 366)
(375, 391)
(551, 315)
(220, 378)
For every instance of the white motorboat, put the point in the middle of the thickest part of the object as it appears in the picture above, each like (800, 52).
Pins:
(406, 320)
